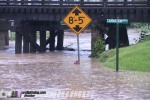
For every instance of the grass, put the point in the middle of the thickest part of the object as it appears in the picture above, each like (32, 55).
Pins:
(135, 57)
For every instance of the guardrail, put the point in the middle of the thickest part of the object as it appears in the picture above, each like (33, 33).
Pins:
(93, 3)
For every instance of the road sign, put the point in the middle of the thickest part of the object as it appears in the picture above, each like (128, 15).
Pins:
(77, 19)
(119, 21)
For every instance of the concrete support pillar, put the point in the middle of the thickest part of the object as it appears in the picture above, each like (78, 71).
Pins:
(124, 40)
(25, 42)
(52, 40)
(123, 36)
(6, 38)
(111, 39)
(33, 37)
(60, 40)
(18, 42)
(2, 39)
(43, 40)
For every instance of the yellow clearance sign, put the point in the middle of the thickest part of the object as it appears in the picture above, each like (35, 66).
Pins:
(77, 20)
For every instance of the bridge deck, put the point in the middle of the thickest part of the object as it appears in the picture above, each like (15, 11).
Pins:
(83, 3)
(56, 10)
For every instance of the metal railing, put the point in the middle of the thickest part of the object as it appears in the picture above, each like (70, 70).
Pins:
(94, 3)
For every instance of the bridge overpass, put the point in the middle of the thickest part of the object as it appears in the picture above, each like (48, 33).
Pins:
(30, 16)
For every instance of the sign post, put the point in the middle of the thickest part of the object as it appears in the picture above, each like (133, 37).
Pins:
(78, 49)
(117, 22)
(117, 47)
(77, 20)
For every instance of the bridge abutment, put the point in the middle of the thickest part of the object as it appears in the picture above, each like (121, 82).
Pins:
(99, 29)
(123, 36)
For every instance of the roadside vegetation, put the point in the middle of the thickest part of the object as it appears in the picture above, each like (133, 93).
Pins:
(98, 47)
(135, 57)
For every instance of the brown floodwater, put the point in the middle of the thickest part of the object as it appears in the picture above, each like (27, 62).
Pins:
(56, 71)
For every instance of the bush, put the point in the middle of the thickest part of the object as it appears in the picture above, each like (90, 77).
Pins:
(145, 27)
(98, 47)
(144, 37)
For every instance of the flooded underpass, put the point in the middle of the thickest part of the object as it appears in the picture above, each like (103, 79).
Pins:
(56, 73)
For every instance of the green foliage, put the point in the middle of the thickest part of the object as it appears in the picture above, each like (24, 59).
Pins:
(12, 36)
(135, 57)
(145, 27)
(37, 35)
(144, 37)
(98, 47)
(107, 54)
(47, 34)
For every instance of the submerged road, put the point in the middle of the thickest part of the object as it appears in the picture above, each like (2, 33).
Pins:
(56, 72)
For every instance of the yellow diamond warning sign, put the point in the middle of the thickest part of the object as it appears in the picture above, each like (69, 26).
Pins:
(77, 20)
